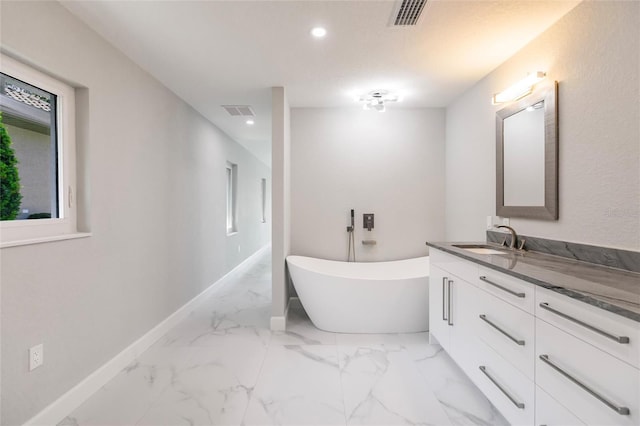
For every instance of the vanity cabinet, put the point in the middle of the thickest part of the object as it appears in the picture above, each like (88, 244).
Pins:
(486, 336)
(540, 357)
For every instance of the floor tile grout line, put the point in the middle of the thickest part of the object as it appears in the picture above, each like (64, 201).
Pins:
(255, 384)
(344, 402)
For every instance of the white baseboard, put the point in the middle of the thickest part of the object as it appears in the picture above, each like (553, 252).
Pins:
(279, 323)
(60, 408)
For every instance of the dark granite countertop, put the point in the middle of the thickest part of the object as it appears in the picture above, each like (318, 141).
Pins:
(614, 290)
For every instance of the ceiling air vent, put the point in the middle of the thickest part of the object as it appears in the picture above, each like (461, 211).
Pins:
(408, 12)
(239, 110)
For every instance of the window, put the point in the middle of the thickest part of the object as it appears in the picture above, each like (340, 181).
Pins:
(263, 192)
(38, 154)
(232, 177)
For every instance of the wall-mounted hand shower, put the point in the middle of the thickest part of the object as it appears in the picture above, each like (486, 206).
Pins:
(352, 241)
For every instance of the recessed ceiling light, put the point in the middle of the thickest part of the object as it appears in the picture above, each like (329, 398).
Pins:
(318, 32)
(250, 122)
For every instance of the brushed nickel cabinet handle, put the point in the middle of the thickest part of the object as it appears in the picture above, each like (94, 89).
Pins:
(513, 339)
(444, 283)
(450, 319)
(515, 293)
(624, 411)
(619, 339)
(512, 399)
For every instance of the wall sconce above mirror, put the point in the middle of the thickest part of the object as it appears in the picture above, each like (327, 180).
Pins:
(520, 89)
(527, 156)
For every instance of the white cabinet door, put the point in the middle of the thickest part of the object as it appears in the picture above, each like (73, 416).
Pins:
(508, 330)
(598, 388)
(450, 304)
(605, 330)
(510, 391)
(550, 412)
(438, 306)
(510, 289)
(465, 297)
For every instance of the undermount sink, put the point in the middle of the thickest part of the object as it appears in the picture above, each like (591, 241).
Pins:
(479, 248)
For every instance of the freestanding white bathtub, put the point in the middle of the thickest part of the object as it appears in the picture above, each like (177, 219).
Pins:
(377, 297)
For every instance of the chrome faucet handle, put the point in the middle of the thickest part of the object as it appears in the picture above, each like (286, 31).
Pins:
(521, 245)
(504, 242)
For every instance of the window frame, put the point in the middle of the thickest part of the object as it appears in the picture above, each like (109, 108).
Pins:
(231, 185)
(263, 199)
(25, 231)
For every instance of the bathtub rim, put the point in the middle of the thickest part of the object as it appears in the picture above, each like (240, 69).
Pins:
(412, 268)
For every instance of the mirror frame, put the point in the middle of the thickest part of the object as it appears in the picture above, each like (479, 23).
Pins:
(549, 211)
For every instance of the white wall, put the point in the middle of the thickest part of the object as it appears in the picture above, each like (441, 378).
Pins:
(281, 210)
(155, 170)
(390, 164)
(593, 52)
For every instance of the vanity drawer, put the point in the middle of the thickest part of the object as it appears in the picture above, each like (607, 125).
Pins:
(510, 391)
(508, 330)
(510, 289)
(455, 265)
(550, 412)
(598, 388)
(612, 333)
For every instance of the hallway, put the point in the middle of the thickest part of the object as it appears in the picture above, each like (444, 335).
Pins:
(222, 365)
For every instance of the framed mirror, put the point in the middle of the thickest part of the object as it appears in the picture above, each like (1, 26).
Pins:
(527, 156)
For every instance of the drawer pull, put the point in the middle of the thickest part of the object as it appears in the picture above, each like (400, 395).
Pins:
(444, 283)
(619, 339)
(513, 339)
(515, 293)
(620, 410)
(450, 319)
(516, 403)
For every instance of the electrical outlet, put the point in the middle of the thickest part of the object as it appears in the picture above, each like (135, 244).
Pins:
(36, 356)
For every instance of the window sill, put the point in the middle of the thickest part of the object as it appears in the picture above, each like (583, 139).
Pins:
(45, 239)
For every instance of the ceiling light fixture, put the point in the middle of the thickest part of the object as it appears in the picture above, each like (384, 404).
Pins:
(250, 122)
(376, 100)
(318, 32)
(520, 89)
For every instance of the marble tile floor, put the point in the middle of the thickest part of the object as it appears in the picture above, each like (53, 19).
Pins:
(223, 366)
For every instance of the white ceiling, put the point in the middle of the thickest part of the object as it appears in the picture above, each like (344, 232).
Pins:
(212, 53)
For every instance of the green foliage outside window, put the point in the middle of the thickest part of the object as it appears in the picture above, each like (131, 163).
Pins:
(10, 197)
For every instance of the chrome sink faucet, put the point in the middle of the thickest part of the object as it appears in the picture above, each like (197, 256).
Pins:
(514, 236)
